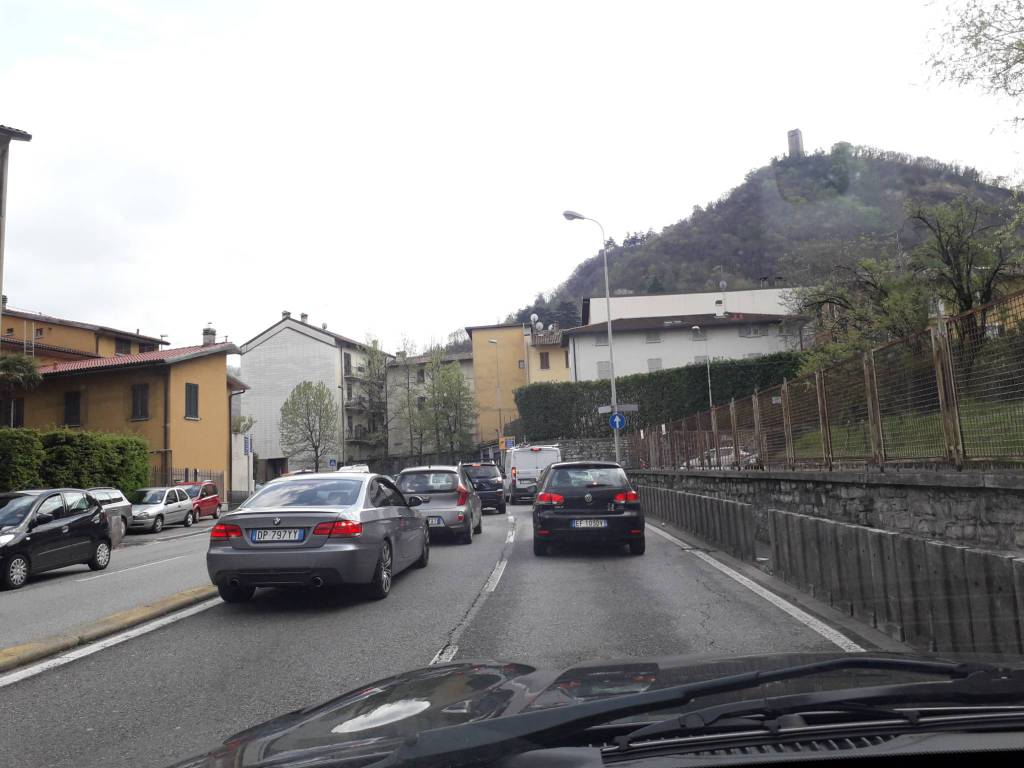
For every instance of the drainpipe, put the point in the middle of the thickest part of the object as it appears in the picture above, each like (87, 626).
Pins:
(166, 459)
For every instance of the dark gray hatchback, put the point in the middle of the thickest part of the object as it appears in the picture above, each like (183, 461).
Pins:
(587, 501)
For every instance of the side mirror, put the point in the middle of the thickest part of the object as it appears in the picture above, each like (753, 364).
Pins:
(41, 518)
(413, 501)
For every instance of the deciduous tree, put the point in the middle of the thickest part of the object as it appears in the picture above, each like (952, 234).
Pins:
(310, 418)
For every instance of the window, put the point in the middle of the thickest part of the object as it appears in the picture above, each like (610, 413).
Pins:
(72, 409)
(182, 496)
(170, 497)
(122, 347)
(76, 502)
(654, 364)
(146, 346)
(12, 412)
(39, 333)
(698, 335)
(421, 403)
(103, 497)
(393, 497)
(652, 337)
(421, 375)
(601, 341)
(428, 482)
(191, 401)
(52, 505)
(9, 332)
(347, 357)
(567, 358)
(522, 364)
(702, 359)
(604, 369)
(545, 361)
(140, 401)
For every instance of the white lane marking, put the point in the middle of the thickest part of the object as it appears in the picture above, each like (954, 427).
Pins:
(803, 617)
(132, 568)
(511, 536)
(492, 582)
(512, 519)
(445, 655)
(87, 650)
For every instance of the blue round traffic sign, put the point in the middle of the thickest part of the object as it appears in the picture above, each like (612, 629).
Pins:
(617, 420)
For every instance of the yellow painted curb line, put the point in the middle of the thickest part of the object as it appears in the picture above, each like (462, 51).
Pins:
(26, 653)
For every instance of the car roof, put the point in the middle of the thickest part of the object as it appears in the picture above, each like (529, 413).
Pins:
(586, 464)
(431, 468)
(487, 463)
(321, 476)
(40, 491)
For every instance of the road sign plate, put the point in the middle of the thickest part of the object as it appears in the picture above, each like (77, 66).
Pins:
(604, 409)
(617, 420)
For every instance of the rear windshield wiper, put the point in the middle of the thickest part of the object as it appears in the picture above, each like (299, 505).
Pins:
(488, 739)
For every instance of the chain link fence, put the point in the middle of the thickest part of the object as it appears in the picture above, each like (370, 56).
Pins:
(951, 395)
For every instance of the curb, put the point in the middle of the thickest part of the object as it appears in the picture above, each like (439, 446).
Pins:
(26, 653)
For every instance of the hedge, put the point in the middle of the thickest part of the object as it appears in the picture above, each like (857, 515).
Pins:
(569, 409)
(70, 458)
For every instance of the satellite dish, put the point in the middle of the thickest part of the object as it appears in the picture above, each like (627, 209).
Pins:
(721, 285)
(539, 325)
(551, 327)
(534, 317)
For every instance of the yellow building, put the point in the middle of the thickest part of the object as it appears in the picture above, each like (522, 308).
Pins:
(175, 399)
(499, 369)
(52, 339)
(547, 358)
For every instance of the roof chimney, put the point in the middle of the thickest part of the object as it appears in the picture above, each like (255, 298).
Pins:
(3, 301)
(285, 314)
(209, 335)
(304, 317)
(324, 326)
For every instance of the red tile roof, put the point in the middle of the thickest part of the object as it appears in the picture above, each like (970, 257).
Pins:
(159, 357)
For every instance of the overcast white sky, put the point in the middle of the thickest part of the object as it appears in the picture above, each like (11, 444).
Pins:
(400, 168)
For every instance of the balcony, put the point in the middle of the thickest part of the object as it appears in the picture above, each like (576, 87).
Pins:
(357, 437)
(357, 403)
(357, 373)
(546, 338)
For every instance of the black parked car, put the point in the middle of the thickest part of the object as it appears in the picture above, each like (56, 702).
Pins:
(584, 501)
(488, 482)
(47, 529)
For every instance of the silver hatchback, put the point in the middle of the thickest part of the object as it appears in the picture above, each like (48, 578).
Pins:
(318, 530)
(450, 503)
(153, 508)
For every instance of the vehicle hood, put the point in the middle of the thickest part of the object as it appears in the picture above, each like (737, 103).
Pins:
(374, 719)
(145, 507)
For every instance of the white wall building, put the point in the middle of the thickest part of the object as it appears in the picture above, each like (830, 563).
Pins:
(761, 301)
(408, 376)
(285, 354)
(647, 344)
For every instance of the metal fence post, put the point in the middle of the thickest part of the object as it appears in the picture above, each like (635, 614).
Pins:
(947, 398)
(735, 440)
(714, 436)
(758, 437)
(874, 412)
(826, 434)
(787, 426)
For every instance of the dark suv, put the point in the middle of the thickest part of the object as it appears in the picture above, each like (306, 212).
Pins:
(488, 482)
(582, 501)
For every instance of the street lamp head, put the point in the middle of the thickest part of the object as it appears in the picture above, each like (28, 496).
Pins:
(695, 328)
(572, 215)
(492, 341)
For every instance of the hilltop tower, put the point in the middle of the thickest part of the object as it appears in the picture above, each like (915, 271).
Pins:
(796, 143)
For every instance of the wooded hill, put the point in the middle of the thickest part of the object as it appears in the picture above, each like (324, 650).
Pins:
(794, 219)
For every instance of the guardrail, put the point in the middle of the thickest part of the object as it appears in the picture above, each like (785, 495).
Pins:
(730, 525)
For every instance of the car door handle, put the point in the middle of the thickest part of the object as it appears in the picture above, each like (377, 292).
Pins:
(64, 529)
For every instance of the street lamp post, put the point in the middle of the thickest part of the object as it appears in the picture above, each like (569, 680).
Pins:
(497, 385)
(707, 360)
(572, 216)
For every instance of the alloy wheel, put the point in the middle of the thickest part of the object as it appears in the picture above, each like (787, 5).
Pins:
(385, 568)
(17, 571)
(102, 555)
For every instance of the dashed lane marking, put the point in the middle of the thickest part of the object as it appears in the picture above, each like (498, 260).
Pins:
(445, 655)
(803, 617)
(131, 568)
(492, 582)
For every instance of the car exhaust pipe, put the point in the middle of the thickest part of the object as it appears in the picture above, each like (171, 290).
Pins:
(317, 582)
(234, 583)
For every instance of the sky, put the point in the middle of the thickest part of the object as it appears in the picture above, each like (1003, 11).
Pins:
(399, 169)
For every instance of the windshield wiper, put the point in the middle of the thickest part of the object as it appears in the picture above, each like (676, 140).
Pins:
(489, 739)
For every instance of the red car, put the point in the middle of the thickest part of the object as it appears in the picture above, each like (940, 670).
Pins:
(205, 498)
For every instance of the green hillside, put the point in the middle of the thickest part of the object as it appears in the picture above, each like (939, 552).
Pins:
(794, 219)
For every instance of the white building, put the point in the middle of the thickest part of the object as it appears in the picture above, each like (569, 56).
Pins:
(761, 301)
(407, 377)
(646, 344)
(287, 353)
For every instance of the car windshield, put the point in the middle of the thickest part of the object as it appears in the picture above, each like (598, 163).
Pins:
(13, 509)
(149, 496)
(482, 471)
(428, 482)
(634, 343)
(587, 477)
(298, 494)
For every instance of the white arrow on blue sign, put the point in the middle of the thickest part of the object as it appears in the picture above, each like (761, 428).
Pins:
(617, 420)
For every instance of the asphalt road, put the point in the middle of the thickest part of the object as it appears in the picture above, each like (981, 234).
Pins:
(144, 568)
(185, 687)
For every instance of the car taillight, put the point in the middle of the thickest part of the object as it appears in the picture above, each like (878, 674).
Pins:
(339, 529)
(627, 496)
(550, 498)
(463, 495)
(225, 531)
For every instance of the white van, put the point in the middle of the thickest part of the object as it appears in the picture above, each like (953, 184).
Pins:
(523, 466)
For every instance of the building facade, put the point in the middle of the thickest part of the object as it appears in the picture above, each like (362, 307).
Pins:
(547, 357)
(499, 369)
(292, 351)
(644, 345)
(407, 393)
(760, 301)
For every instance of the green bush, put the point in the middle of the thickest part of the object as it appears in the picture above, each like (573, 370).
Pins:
(569, 409)
(21, 453)
(85, 459)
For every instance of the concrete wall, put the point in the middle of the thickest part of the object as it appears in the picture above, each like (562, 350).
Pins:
(973, 509)
(633, 352)
(765, 301)
(511, 350)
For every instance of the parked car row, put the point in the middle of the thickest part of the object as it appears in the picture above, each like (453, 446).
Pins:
(185, 503)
